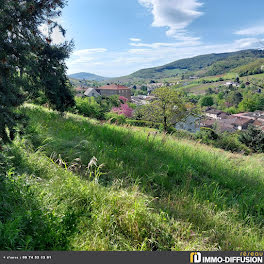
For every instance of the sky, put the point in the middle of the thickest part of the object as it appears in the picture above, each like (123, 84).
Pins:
(118, 37)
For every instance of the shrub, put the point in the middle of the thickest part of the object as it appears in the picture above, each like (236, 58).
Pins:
(226, 141)
(230, 142)
(207, 134)
(253, 138)
(118, 119)
(89, 107)
(207, 101)
(124, 109)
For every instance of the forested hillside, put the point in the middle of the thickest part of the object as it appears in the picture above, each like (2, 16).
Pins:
(204, 65)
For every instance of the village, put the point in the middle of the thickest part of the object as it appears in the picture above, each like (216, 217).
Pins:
(210, 117)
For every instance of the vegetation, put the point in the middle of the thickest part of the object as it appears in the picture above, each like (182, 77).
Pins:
(227, 141)
(205, 199)
(255, 67)
(29, 63)
(204, 65)
(207, 101)
(96, 107)
(167, 107)
(253, 138)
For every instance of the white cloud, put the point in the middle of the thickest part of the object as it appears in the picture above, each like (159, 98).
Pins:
(85, 52)
(175, 15)
(135, 39)
(251, 31)
(248, 43)
(158, 45)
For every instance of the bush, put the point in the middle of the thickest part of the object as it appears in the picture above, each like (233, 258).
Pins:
(207, 135)
(253, 138)
(124, 109)
(230, 142)
(207, 101)
(226, 141)
(115, 118)
(89, 107)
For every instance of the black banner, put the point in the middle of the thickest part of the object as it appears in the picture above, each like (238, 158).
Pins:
(58, 257)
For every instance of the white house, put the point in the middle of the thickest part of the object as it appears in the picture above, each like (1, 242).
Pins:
(91, 92)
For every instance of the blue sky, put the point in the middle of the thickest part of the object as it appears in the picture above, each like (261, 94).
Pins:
(117, 37)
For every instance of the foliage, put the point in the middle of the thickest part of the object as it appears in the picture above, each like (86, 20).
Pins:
(251, 103)
(210, 64)
(120, 212)
(226, 141)
(253, 138)
(116, 118)
(207, 101)
(124, 109)
(251, 68)
(167, 107)
(89, 107)
(29, 62)
(207, 134)
(96, 107)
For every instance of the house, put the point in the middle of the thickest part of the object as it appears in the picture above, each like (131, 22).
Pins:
(231, 84)
(241, 123)
(229, 124)
(114, 89)
(79, 91)
(256, 118)
(251, 115)
(91, 92)
(216, 114)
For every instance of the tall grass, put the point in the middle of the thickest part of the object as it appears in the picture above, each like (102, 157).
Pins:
(155, 192)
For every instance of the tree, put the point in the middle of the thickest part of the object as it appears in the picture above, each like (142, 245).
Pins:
(167, 107)
(30, 63)
(207, 101)
(234, 98)
(253, 138)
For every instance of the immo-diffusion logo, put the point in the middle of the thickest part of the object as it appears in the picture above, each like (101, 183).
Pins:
(195, 257)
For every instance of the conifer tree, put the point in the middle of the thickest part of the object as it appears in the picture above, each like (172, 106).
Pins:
(29, 61)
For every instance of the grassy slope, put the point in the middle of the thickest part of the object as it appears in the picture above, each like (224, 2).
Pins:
(204, 198)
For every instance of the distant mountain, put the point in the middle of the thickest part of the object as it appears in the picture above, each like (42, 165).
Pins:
(203, 65)
(87, 76)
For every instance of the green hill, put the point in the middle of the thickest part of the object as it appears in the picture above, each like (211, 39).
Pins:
(87, 76)
(255, 67)
(153, 192)
(204, 65)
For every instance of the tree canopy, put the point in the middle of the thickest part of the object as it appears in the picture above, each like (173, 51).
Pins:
(168, 107)
(30, 63)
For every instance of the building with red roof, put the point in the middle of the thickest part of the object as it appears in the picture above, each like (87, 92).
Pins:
(115, 89)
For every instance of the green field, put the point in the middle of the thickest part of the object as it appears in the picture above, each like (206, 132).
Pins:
(153, 192)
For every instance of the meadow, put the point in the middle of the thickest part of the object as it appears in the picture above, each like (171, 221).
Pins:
(73, 183)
